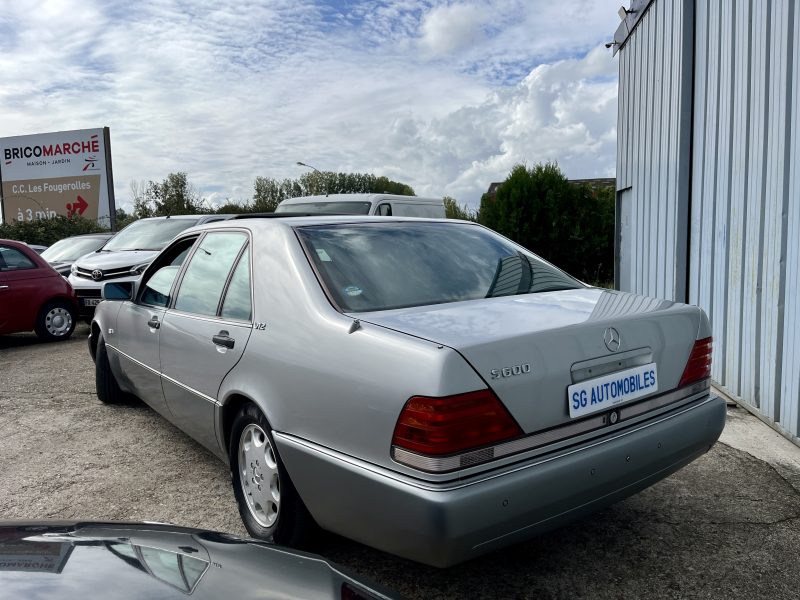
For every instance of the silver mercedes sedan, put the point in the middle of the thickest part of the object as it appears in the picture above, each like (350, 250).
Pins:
(426, 387)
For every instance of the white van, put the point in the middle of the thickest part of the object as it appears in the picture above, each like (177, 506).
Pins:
(385, 205)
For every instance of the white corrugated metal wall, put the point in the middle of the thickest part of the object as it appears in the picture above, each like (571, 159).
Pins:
(653, 139)
(744, 196)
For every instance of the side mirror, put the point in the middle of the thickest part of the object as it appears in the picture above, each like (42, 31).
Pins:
(119, 290)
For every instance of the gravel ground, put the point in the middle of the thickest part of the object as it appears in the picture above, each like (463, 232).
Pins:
(726, 526)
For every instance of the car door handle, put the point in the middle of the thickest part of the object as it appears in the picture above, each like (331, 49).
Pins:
(153, 322)
(223, 339)
(3, 287)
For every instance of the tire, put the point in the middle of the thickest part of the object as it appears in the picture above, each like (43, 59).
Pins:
(270, 507)
(55, 322)
(108, 390)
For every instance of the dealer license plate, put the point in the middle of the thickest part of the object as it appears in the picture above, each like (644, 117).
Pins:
(92, 301)
(608, 391)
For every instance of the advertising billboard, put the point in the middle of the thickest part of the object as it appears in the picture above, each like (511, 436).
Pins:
(62, 173)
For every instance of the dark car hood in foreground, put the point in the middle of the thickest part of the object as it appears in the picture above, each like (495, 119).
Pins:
(137, 560)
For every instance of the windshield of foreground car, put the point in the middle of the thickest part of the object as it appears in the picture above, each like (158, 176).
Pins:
(376, 266)
(148, 235)
(71, 249)
(327, 208)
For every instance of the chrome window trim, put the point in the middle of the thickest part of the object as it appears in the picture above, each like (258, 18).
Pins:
(220, 320)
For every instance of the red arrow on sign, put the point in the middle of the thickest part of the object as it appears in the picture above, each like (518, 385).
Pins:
(77, 207)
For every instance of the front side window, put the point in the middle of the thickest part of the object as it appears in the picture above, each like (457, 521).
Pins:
(157, 281)
(12, 259)
(377, 266)
(205, 277)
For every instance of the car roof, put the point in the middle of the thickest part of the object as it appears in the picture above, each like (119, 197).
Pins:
(288, 220)
(15, 243)
(359, 198)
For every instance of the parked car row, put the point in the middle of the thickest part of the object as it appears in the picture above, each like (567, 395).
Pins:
(89, 260)
(423, 386)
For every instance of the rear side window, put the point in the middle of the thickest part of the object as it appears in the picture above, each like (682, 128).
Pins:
(375, 266)
(327, 208)
(428, 211)
(238, 304)
(205, 277)
(12, 259)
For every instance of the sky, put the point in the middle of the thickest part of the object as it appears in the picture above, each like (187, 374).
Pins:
(446, 96)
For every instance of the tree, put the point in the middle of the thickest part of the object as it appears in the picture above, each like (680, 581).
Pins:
(233, 208)
(569, 225)
(142, 203)
(267, 194)
(453, 210)
(175, 196)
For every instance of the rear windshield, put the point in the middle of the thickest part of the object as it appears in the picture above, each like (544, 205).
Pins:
(148, 235)
(376, 266)
(327, 208)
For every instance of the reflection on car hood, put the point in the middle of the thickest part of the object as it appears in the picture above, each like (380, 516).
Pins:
(115, 260)
(139, 560)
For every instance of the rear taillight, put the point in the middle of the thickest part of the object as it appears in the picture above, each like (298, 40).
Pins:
(699, 364)
(440, 426)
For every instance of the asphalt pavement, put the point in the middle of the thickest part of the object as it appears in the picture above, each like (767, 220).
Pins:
(726, 526)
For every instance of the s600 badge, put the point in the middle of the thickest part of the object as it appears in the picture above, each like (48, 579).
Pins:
(511, 371)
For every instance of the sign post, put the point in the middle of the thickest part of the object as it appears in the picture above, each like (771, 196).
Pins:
(64, 173)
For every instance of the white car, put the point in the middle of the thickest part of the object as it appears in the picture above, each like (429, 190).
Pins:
(125, 256)
(384, 205)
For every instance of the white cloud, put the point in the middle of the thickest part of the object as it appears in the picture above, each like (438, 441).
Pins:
(444, 96)
(448, 28)
(563, 112)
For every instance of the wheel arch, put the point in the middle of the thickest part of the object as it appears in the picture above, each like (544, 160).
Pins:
(94, 339)
(230, 407)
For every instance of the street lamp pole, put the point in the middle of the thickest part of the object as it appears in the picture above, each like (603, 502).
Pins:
(315, 169)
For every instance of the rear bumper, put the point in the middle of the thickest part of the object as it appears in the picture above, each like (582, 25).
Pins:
(444, 524)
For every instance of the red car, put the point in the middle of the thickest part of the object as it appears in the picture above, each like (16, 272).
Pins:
(33, 296)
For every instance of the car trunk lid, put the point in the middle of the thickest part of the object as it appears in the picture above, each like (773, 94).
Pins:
(530, 348)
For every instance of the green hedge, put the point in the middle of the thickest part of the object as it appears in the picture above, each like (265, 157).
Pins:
(570, 225)
(47, 231)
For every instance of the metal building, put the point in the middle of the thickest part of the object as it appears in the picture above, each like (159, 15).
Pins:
(708, 182)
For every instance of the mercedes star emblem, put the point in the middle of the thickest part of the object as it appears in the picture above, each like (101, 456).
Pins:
(612, 339)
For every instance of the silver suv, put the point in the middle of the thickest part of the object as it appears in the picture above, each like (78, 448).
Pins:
(126, 256)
